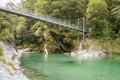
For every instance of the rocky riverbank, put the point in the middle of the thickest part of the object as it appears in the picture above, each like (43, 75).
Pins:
(9, 63)
(88, 49)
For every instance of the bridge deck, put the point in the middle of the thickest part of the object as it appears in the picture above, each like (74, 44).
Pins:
(41, 17)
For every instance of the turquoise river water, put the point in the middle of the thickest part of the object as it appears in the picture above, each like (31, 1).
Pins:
(64, 67)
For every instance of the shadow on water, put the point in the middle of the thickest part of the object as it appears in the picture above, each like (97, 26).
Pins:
(30, 72)
(70, 61)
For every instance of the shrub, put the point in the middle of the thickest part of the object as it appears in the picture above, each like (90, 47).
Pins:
(117, 41)
(112, 46)
(116, 46)
(6, 35)
(86, 45)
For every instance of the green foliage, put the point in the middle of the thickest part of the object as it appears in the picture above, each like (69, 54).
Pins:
(28, 4)
(116, 46)
(56, 13)
(102, 16)
(6, 35)
(3, 25)
(114, 15)
(96, 17)
(116, 12)
(111, 46)
(117, 41)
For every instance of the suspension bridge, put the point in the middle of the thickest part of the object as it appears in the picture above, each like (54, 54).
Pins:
(41, 17)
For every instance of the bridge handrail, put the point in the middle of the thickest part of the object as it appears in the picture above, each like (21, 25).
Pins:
(42, 17)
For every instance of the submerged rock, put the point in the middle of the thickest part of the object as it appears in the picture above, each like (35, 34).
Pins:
(10, 64)
(71, 61)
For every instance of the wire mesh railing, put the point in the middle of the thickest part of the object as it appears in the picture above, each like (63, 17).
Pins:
(42, 17)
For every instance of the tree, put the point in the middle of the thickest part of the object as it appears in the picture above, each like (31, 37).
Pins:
(96, 14)
(6, 27)
(114, 15)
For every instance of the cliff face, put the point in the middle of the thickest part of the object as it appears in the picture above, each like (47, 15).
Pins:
(9, 63)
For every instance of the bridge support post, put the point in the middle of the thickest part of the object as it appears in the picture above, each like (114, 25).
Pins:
(78, 35)
(83, 28)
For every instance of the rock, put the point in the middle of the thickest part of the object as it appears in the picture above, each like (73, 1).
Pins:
(92, 50)
(10, 64)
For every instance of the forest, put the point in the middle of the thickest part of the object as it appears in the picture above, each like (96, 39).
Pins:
(102, 18)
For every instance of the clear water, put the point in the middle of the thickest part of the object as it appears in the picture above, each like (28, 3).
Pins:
(63, 67)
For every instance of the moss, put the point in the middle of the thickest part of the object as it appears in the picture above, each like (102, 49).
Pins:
(86, 45)
(1, 51)
(4, 61)
(11, 65)
(9, 70)
(1, 58)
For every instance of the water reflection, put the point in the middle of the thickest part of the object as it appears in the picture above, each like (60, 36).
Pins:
(63, 67)
(46, 57)
(46, 53)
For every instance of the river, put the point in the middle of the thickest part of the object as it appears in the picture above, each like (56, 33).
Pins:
(64, 67)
